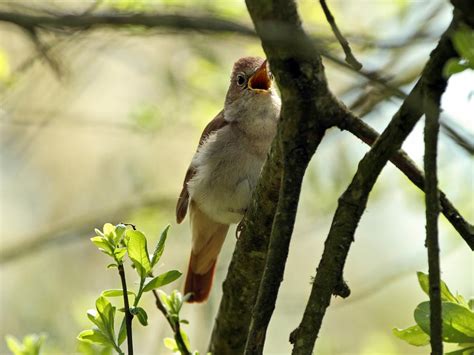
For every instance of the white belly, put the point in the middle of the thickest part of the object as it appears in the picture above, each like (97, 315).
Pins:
(227, 173)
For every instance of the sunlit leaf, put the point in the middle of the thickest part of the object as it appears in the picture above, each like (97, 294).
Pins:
(93, 336)
(162, 280)
(170, 344)
(458, 322)
(14, 345)
(137, 251)
(160, 246)
(116, 293)
(185, 338)
(103, 244)
(446, 294)
(413, 335)
(465, 351)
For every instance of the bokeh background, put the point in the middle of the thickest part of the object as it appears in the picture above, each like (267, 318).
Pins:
(109, 136)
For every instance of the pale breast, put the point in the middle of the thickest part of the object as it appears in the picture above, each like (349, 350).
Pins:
(228, 166)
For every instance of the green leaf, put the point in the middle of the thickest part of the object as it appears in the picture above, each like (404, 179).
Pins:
(95, 318)
(116, 293)
(141, 315)
(162, 280)
(137, 251)
(170, 344)
(465, 351)
(446, 295)
(461, 318)
(120, 253)
(107, 315)
(458, 322)
(103, 245)
(109, 231)
(463, 41)
(454, 66)
(119, 230)
(160, 246)
(471, 304)
(413, 335)
(14, 345)
(111, 266)
(122, 332)
(185, 338)
(94, 336)
(165, 300)
(176, 301)
(32, 344)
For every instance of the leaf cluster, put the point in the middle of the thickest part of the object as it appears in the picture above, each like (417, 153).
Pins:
(30, 345)
(118, 242)
(457, 318)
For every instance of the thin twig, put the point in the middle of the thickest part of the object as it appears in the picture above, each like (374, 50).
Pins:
(350, 59)
(128, 314)
(175, 326)
(432, 111)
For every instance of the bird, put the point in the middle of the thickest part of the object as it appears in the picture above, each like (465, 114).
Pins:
(224, 171)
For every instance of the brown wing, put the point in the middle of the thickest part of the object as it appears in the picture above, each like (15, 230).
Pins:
(182, 206)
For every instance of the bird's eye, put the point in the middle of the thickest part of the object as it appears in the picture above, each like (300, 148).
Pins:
(240, 80)
(270, 75)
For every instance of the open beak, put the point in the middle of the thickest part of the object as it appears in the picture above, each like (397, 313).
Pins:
(261, 80)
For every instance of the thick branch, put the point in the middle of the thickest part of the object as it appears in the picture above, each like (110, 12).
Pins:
(431, 105)
(353, 201)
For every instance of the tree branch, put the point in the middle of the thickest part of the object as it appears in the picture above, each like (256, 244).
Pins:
(353, 201)
(403, 162)
(88, 21)
(350, 59)
(431, 106)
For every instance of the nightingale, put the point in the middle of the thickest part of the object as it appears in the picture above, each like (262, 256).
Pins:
(223, 173)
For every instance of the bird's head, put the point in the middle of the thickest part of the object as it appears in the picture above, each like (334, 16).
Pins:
(251, 87)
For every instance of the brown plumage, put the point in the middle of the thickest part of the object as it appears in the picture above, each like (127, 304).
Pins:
(223, 173)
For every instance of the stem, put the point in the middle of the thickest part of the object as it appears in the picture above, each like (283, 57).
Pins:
(140, 292)
(432, 213)
(128, 315)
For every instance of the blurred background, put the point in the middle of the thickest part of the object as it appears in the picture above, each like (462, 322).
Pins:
(105, 132)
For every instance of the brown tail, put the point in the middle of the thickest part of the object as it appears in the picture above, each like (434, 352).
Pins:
(198, 285)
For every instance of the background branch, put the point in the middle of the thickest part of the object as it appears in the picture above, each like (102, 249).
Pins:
(350, 59)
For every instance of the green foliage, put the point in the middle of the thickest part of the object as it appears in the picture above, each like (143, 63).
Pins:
(117, 242)
(463, 42)
(31, 344)
(457, 317)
